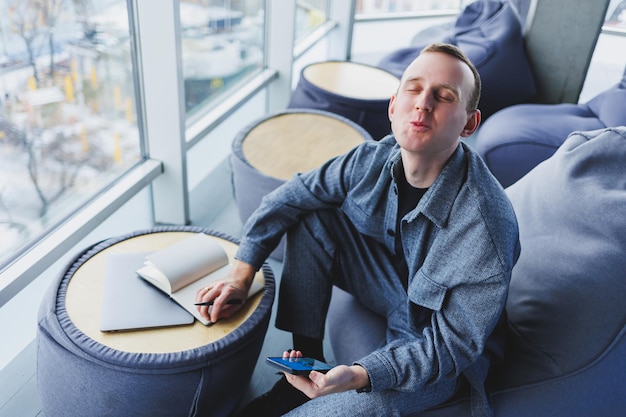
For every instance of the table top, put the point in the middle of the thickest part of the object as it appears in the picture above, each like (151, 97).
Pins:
(285, 144)
(84, 303)
(351, 79)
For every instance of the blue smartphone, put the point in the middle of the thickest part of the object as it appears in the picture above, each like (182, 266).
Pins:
(299, 366)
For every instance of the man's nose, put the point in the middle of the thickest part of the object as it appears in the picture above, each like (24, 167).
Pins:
(424, 102)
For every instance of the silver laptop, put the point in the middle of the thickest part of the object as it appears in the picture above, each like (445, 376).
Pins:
(129, 302)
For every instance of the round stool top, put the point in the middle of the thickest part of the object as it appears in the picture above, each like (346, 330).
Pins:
(351, 79)
(83, 303)
(287, 143)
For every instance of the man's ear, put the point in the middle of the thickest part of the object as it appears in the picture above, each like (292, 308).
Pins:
(473, 121)
(391, 107)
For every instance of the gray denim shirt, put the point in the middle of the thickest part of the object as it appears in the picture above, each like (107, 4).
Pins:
(460, 243)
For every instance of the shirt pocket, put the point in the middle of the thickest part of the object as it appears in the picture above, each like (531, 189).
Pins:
(426, 292)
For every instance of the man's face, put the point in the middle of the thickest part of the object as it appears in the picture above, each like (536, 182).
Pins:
(429, 112)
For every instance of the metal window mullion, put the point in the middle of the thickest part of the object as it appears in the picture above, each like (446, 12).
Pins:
(340, 45)
(159, 57)
(279, 29)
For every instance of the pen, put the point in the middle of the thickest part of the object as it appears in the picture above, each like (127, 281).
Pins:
(210, 303)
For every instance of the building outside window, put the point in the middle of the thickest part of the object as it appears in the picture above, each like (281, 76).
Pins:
(222, 43)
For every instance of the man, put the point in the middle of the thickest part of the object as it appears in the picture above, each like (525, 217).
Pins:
(417, 229)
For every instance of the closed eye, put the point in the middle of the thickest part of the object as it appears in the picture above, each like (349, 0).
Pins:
(446, 98)
(414, 90)
(446, 94)
(413, 86)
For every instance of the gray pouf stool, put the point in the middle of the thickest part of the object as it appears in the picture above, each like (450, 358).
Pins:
(189, 370)
(271, 150)
(358, 92)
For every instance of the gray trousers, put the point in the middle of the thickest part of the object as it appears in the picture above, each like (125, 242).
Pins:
(323, 250)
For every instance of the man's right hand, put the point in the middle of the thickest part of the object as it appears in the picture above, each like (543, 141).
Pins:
(234, 287)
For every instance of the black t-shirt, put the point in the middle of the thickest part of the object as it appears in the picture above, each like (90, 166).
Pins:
(408, 197)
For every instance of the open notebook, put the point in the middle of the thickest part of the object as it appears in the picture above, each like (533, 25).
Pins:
(130, 303)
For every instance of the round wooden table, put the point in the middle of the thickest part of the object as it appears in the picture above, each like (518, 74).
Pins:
(290, 142)
(356, 91)
(164, 371)
(83, 302)
(352, 80)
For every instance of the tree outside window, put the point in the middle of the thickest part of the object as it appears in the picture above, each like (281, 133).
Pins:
(67, 110)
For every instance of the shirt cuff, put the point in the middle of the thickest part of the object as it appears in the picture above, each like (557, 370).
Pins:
(379, 371)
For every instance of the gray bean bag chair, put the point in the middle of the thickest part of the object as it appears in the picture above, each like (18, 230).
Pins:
(491, 34)
(566, 313)
(514, 140)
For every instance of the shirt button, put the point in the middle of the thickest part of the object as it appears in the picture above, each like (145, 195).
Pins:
(390, 232)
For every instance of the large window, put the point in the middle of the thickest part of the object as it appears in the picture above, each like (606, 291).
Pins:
(68, 124)
(222, 43)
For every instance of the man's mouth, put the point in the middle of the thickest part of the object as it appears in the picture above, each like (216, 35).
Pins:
(417, 124)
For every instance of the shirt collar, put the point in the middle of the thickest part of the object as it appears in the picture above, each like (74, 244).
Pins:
(437, 203)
